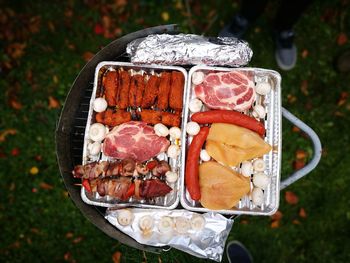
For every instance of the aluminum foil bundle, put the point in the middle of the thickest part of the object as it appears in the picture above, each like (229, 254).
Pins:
(189, 49)
(201, 235)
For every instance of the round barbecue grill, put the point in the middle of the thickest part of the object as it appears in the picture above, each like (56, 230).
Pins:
(71, 128)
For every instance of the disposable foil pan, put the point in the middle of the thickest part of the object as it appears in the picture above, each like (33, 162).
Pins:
(272, 160)
(171, 200)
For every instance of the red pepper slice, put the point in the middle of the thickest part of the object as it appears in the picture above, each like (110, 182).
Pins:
(86, 185)
(131, 191)
(150, 165)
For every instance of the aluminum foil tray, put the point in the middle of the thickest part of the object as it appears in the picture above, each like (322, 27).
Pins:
(273, 125)
(171, 200)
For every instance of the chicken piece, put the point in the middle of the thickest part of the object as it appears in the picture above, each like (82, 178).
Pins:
(111, 118)
(164, 89)
(150, 116)
(110, 84)
(151, 92)
(231, 144)
(140, 84)
(124, 85)
(171, 119)
(177, 90)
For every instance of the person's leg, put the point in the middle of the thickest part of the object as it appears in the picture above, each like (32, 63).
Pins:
(250, 10)
(287, 15)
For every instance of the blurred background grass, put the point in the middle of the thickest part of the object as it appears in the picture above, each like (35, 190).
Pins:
(45, 44)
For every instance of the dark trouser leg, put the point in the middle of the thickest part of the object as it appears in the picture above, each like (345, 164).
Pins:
(252, 9)
(288, 13)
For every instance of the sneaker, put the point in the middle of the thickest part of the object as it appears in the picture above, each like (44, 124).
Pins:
(237, 253)
(286, 51)
(236, 28)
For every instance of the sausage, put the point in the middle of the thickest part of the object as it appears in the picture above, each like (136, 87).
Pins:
(228, 116)
(171, 119)
(150, 116)
(140, 84)
(111, 118)
(164, 89)
(151, 91)
(177, 90)
(192, 166)
(124, 84)
(110, 84)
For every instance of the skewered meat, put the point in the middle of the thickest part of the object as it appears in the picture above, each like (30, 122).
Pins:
(103, 169)
(112, 187)
(151, 92)
(164, 89)
(171, 119)
(134, 140)
(124, 84)
(137, 86)
(154, 188)
(111, 118)
(150, 116)
(177, 90)
(110, 84)
(161, 168)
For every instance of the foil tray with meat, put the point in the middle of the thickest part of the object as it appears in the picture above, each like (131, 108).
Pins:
(131, 154)
(232, 144)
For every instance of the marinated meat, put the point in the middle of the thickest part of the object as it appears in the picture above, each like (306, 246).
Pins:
(227, 91)
(177, 90)
(124, 84)
(171, 119)
(137, 86)
(154, 188)
(164, 89)
(134, 140)
(110, 84)
(151, 92)
(111, 118)
(150, 116)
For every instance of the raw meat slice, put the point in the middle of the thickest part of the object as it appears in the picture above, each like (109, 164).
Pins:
(227, 90)
(134, 139)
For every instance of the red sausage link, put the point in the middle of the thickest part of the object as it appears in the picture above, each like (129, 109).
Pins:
(192, 165)
(232, 117)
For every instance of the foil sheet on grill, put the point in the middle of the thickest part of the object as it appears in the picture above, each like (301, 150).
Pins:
(189, 49)
(207, 241)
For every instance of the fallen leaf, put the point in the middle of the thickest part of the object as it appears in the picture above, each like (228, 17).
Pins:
(304, 87)
(34, 170)
(15, 151)
(69, 235)
(296, 129)
(53, 103)
(275, 224)
(5, 133)
(300, 154)
(257, 29)
(339, 114)
(296, 222)
(51, 26)
(77, 240)
(98, 29)
(343, 98)
(29, 241)
(291, 98)
(67, 256)
(34, 24)
(165, 16)
(35, 231)
(304, 53)
(12, 186)
(120, 3)
(38, 158)
(88, 55)
(55, 79)
(302, 213)
(342, 39)
(46, 186)
(291, 198)
(15, 104)
(16, 50)
(34, 190)
(277, 216)
(116, 257)
(244, 222)
(298, 164)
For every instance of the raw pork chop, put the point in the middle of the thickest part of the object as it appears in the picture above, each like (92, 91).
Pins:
(134, 139)
(227, 91)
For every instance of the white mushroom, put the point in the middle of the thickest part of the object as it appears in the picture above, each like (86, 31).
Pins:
(261, 180)
(246, 169)
(192, 128)
(125, 217)
(146, 223)
(259, 165)
(94, 148)
(197, 222)
(205, 157)
(100, 105)
(263, 88)
(97, 132)
(195, 105)
(182, 225)
(161, 130)
(171, 177)
(259, 111)
(173, 151)
(197, 77)
(165, 224)
(175, 133)
(257, 196)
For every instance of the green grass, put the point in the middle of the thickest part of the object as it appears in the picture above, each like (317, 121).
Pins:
(35, 221)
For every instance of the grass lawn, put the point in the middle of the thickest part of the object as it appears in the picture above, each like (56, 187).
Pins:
(44, 46)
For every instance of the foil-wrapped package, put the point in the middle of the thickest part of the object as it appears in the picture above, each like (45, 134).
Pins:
(189, 49)
(201, 235)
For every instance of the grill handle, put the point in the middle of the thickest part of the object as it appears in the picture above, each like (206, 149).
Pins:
(317, 149)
